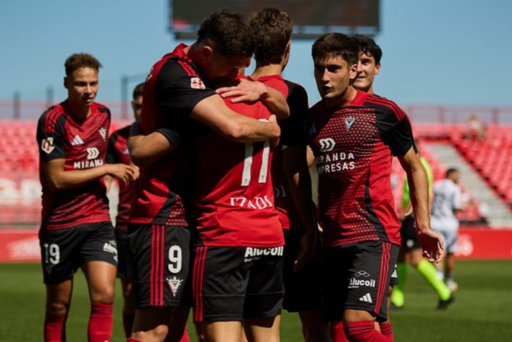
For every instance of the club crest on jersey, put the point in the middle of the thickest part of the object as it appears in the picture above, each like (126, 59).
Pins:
(196, 83)
(349, 122)
(47, 145)
(174, 284)
(103, 133)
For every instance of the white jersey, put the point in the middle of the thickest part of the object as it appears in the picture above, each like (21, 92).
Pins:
(447, 198)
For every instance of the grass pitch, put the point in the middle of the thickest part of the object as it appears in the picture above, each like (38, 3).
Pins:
(482, 311)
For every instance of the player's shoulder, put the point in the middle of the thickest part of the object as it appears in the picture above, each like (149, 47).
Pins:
(384, 106)
(122, 132)
(101, 108)
(52, 117)
(296, 90)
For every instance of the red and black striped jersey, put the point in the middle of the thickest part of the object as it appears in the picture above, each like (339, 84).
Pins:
(117, 153)
(353, 147)
(234, 196)
(171, 91)
(83, 145)
(292, 134)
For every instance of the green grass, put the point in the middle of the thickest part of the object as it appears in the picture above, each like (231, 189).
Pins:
(481, 313)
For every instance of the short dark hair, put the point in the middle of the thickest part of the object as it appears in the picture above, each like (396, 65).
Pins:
(138, 90)
(336, 44)
(228, 32)
(450, 172)
(272, 30)
(81, 60)
(368, 46)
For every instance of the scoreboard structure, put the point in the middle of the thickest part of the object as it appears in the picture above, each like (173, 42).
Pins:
(310, 18)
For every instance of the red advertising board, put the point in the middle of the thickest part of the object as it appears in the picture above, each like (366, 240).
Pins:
(484, 243)
(19, 245)
(23, 245)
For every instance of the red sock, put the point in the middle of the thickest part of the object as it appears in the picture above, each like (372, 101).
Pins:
(185, 337)
(338, 332)
(387, 331)
(363, 331)
(100, 322)
(128, 318)
(54, 329)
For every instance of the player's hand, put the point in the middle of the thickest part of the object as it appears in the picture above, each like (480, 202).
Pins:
(307, 250)
(274, 142)
(245, 91)
(431, 244)
(125, 173)
(320, 228)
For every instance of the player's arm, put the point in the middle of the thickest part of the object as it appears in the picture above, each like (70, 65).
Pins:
(296, 168)
(252, 91)
(213, 112)
(396, 132)
(146, 149)
(60, 179)
(431, 242)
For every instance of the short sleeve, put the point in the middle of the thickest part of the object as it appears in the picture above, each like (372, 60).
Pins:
(457, 198)
(293, 129)
(111, 149)
(50, 136)
(179, 89)
(399, 138)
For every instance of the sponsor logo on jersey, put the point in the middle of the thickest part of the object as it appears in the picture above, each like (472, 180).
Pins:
(92, 153)
(47, 145)
(110, 247)
(349, 122)
(327, 144)
(77, 141)
(126, 151)
(253, 253)
(367, 298)
(174, 284)
(87, 164)
(103, 133)
(335, 162)
(196, 83)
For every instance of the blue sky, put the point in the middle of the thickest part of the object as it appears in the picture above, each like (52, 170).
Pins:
(453, 52)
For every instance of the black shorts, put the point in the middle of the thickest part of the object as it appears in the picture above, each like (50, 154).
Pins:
(408, 234)
(237, 283)
(64, 251)
(124, 268)
(302, 291)
(160, 264)
(394, 277)
(357, 276)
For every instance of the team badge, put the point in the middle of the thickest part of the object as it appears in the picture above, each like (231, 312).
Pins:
(47, 145)
(103, 133)
(196, 83)
(349, 122)
(174, 284)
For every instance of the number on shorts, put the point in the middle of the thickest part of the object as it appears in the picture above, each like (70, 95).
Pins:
(175, 259)
(51, 253)
(246, 173)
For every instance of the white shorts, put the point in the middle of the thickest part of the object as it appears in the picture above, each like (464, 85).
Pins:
(449, 239)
